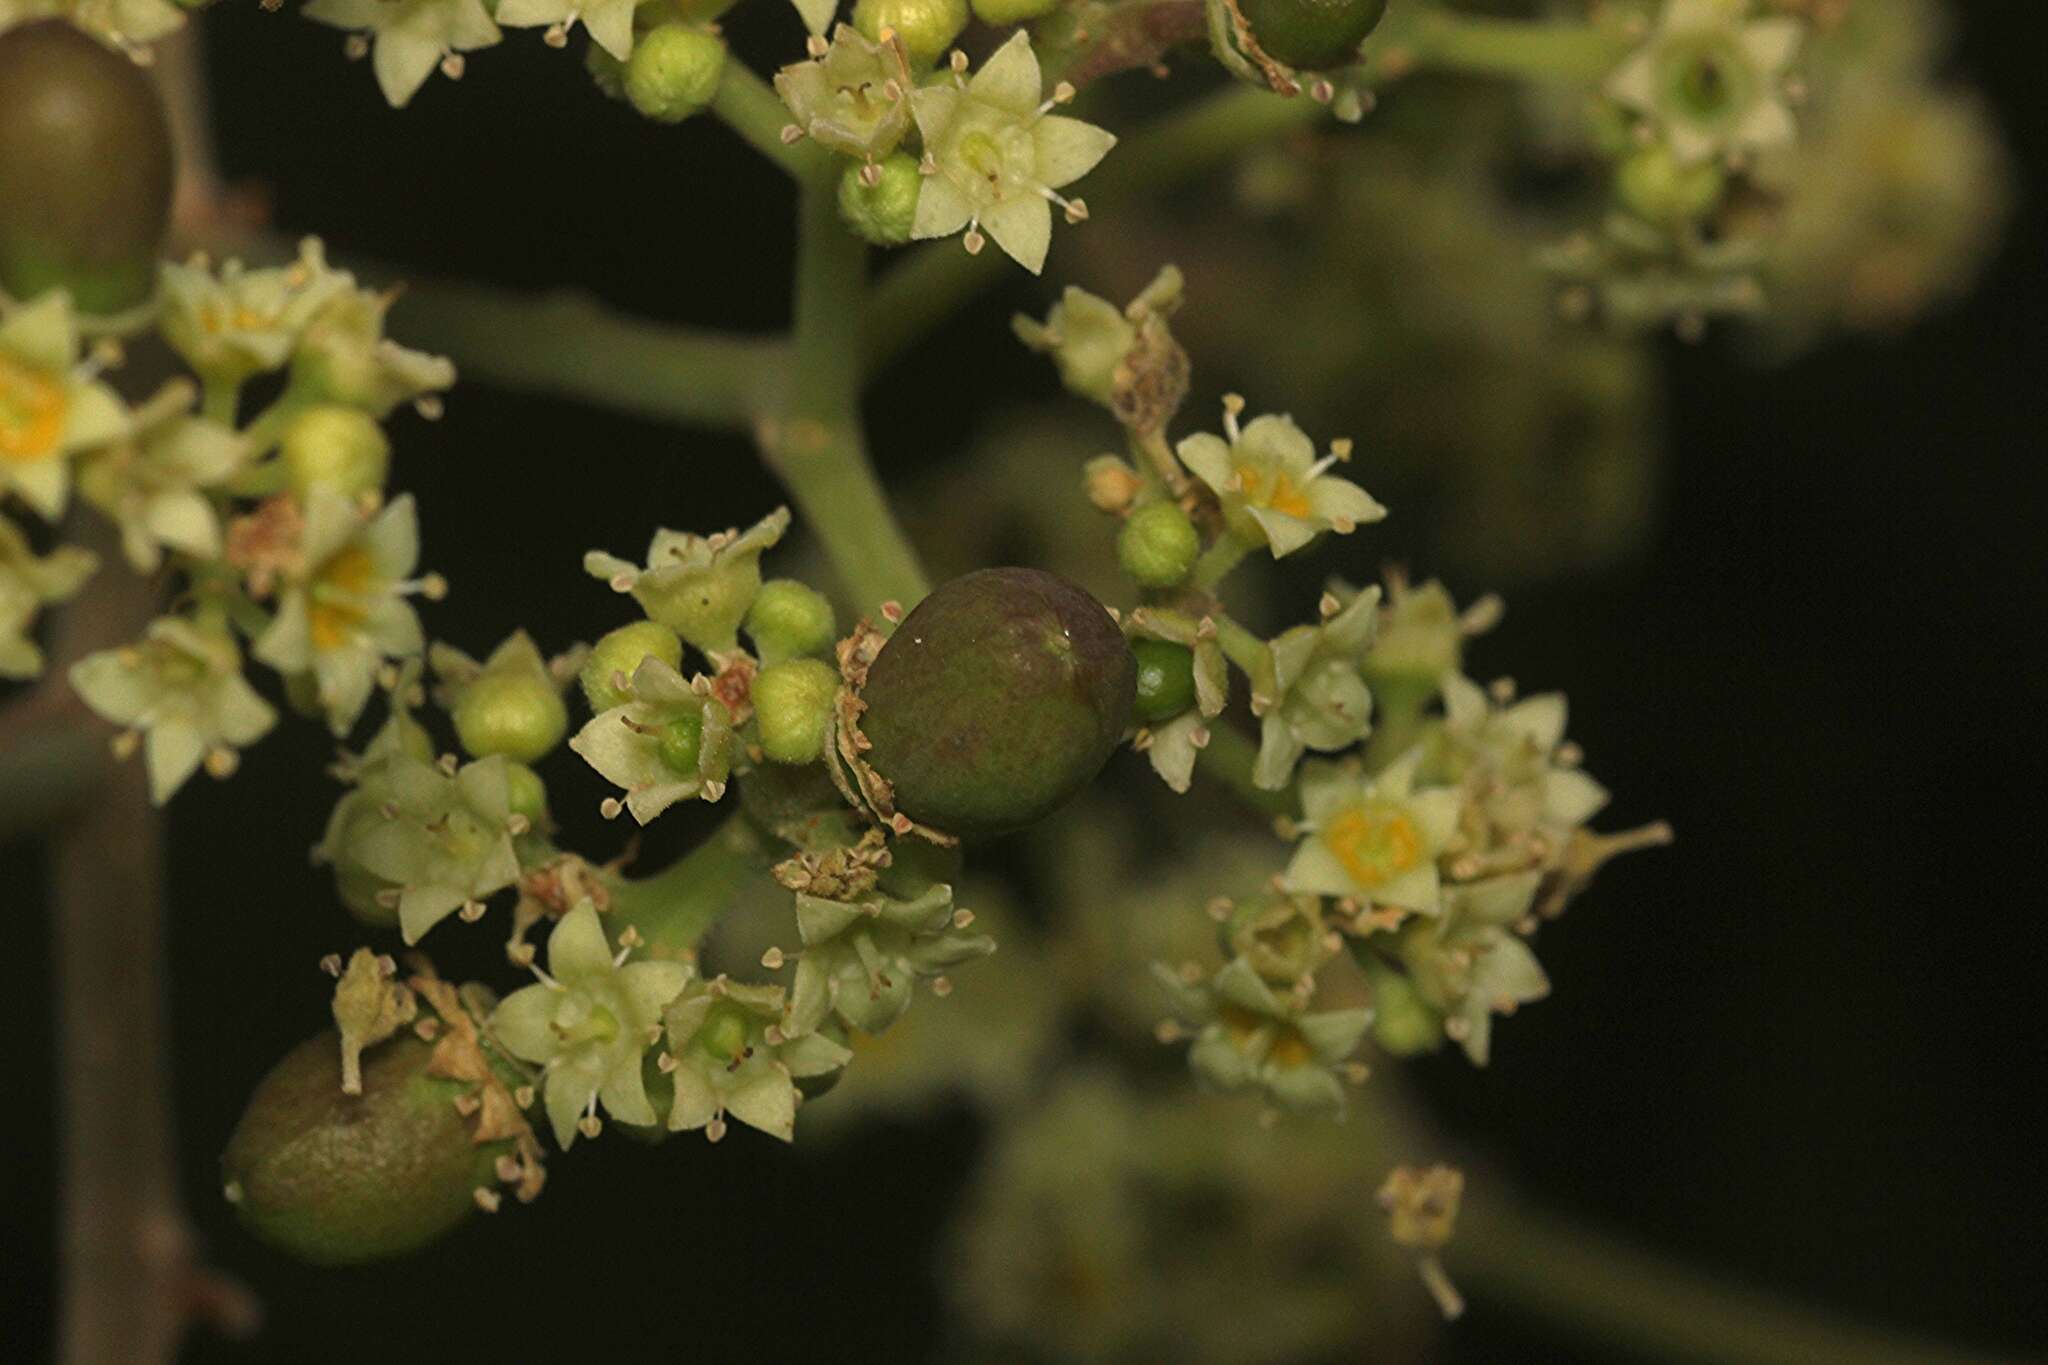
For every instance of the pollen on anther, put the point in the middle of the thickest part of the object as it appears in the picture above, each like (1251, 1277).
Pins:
(331, 964)
(523, 1097)
(974, 241)
(772, 959)
(610, 807)
(486, 1199)
(962, 918)
(590, 1125)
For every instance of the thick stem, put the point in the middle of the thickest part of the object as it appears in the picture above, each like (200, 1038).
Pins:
(1229, 758)
(750, 107)
(569, 345)
(817, 450)
(1218, 560)
(1606, 1291)
(673, 908)
(1514, 48)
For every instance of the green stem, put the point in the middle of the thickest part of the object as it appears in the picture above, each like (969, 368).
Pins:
(1241, 647)
(817, 450)
(1607, 1291)
(1229, 759)
(568, 345)
(218, 400)
(1218, 560)
(673, 908)
(1515, 48)
(750, 107)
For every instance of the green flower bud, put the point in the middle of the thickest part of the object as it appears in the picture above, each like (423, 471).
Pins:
(881, 213)
(1655, 185)
(793, 704)
(1312, 35)
(927, 27)
(1158, 545)
(998, 698)
(339, 447)
(618, 654)
(86, 162)
(681, 742)
(339, 1179)
(789, 620)
(517, 714)
(525, 794)
(1404, 1024)
(1004, 12)
(1166, 680)
(674, 72)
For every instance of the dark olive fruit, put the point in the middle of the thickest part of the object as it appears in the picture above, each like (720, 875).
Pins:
(340, 1179)
(1166, 679)
(85, 169)
(1312, 35)
(998, 697)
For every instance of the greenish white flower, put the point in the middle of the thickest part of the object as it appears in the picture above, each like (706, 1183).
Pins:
(1710, 79)
(1087, 337)
(1273, 489)
(698, 586)
(234, 322)
(445, 840)
(373, 791)
(1248, 1036)
(861, 957)
(670, 741)
(1373, 840)
(151, 483)
(181, 687)
(126, 24)
(1309, 692)
(411, 37)
(28, 583)
(1469, 964)
(1420, 643)
(854, 97)
(1172, 745)
(51, 405)
(588, 1023)
(343, 611)
(728, 1054)
(609, 22)
(344, 356)
(996, 156)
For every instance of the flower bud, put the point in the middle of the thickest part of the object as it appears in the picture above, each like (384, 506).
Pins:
(1110, 483)
(339, 1179)
(619, 654)
(790, 619)
(927, 27)
(1403, 1024)
(1087, 337)
(793, 704)
(1158, 545)
(525, 794)
(1166, 680)
(514, 713)
(881, 213)
(674, 72)
(1654, 185)
(86, 162)
(997, 698)
(339, 447)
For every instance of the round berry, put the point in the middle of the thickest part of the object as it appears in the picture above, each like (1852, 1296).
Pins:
(85, 169)
(793, 705)
(339, 1179)
(884, 212)
(1158, 545)
(1166, 680)
(927, 27)
(1312, 35)
(997, 699)
(619, 654)
(518, 715)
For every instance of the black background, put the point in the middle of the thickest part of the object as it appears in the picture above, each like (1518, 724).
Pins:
(1800, 1046)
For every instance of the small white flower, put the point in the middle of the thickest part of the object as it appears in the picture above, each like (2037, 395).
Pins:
(231, 323)
(1273, 489)
(411, 37)
(996, 156)
(151, 483)
(28, 583)
(589, 1022)
(609, 22)
(1710, 79)
(51, 406)
(667, 743)
(1373, 840)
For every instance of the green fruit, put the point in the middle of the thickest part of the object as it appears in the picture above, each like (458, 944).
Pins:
(882, 213)
(674, 72)
(85, 169)
(927, 27)
(1166, 679)
(519, 715)
(681, 745)
(1312, 35)
(340, 1179)
(793, 705)
(998, 698)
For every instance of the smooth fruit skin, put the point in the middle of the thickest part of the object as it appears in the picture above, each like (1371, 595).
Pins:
(85, 169)
(1002, 694)
(1166, 679)
(339, 1179)
(1312, 35)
